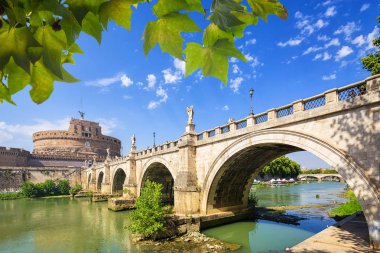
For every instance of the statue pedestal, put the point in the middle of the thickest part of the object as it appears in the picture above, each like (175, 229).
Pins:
(190, 128)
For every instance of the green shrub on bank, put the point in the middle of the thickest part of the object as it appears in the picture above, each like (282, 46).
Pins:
(9, 196)
(149, 216)
(75, 190)
(351, 207)
(47, 188)
(252, 199)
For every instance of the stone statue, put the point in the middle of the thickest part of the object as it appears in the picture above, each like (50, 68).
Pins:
(190, 115)
(108, 152)
(133, 140)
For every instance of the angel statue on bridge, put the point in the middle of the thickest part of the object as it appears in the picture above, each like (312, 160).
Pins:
(190, 115)
(133, 140)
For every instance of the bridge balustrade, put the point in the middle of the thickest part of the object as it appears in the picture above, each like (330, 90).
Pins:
(225, 129)
(241, 124)
(283, 112)
(211, 133)
(261, 118)
(314, 103)
(346, 93)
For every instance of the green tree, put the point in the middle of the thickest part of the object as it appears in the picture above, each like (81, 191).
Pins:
(38, 37)
(281, 167)
(148, 217)
(371, 62)
(63, 187)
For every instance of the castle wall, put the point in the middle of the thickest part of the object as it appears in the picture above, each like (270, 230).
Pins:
(13, 157)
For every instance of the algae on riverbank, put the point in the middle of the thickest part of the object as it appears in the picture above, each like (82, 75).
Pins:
(346, 209)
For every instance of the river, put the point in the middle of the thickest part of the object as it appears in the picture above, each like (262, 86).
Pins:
(65, 225)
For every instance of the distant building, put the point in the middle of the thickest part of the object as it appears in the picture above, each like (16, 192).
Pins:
(83, 141)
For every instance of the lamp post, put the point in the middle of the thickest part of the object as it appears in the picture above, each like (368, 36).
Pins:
(251, 95)
(154, 139)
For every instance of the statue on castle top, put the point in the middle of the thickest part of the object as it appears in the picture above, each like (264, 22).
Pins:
(81, 114)
(190, 115)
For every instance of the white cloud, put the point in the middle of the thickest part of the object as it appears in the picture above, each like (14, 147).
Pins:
(331, 11)
(317, 57)
(225, 108)
(152, 80)
(163, 97)
(121, 78)
(236, 83)
(179, 65)
(174, 76)
(248, 57)
(333, 42)
(326, 56)
(371, 36)
(126, 81)
(359, 41)
(171, 77)
(326, 3)
(343, 52)
(364, 7)
(127, 97)
(323, 38)
(348, 29)
(233, 60)
(311, 50)
(236, 69)
(320, 24)
(107, 125)
(329, 77)
(250, 42)
(290, 42)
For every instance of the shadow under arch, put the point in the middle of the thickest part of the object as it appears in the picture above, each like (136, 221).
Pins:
(158, 172)
(227, 183)
(118, 181)
(100, 181)
(89, 180)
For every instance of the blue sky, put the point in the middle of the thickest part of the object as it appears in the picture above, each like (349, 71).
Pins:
(318, 48)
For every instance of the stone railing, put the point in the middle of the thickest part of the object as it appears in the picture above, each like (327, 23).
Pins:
(346, 93)
(163, 148)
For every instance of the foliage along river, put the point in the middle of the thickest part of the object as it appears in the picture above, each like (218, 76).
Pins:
(64, 225)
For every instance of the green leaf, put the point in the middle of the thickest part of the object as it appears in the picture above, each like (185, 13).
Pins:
(222, 14)
(263, 8)
(165, 7)
(53, 43)
(91, 26)
(80, 8)
(17, 77)
(247, 19)
(15, 42)
(118, 10)
(213, 33)
(166, 31)
(42, 83)
(5, 94)
(213, 61)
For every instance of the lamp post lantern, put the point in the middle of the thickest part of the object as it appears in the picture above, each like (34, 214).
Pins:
(154, 139)
(251, 91)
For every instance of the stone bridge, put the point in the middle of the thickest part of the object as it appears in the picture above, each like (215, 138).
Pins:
(210, 172)
(321, 177)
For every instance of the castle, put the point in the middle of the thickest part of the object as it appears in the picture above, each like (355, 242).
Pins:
(82, 141)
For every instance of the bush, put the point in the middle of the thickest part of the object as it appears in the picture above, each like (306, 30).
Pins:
(9, 196)
(29, 190)
(351, 207)
(252, 199)
(148, 217)
(63, 187)
(75, 190)
(47, 188)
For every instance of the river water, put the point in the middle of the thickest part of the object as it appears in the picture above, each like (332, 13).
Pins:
(65, 225)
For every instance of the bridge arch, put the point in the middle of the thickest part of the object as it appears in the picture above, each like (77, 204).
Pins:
(159, 170)
(225, 189)
(118, 179)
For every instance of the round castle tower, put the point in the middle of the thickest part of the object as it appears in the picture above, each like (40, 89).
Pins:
(83, 139)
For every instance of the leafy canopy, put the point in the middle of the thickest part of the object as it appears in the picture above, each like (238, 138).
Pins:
(371, 62)
(282, 167)
(38, 36)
